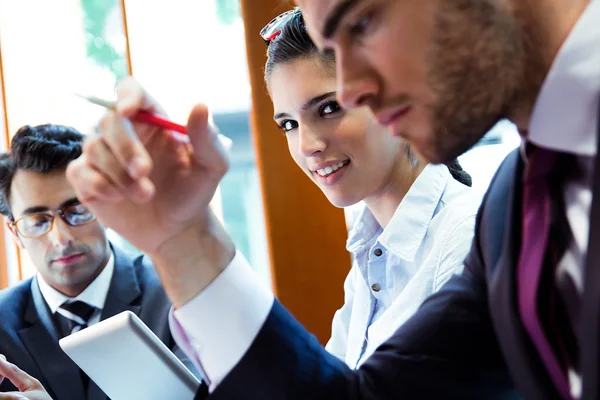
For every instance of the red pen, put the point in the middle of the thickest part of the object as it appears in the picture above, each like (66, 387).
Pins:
(141, 116)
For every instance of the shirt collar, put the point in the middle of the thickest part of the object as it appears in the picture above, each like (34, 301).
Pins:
(564, 115)
(405, 232)
(94, 294)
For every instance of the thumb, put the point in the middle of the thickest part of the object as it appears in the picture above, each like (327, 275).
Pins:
(208, 150)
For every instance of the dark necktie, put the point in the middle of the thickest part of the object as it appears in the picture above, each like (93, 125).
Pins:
(537, 215)
(73, 317)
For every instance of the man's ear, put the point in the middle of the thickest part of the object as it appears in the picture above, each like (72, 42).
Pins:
(15, 234)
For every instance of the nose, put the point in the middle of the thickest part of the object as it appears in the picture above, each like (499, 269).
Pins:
(60, 234)
(310, 142)
(357, 82)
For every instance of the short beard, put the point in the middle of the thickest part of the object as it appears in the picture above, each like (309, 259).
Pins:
(477, 72)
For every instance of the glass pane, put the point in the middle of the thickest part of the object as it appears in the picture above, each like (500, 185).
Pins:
(197, 54)
(12, 262)
(482, 161)
(74, 46)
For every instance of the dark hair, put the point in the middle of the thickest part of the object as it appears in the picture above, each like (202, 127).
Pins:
(42, 148)
(293, 42)
(459, 173)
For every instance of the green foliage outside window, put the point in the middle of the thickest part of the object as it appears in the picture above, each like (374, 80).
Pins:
(228, 11)
(96, 14)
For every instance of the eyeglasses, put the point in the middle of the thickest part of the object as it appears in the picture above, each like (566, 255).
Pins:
(38, 224)
(274, 28)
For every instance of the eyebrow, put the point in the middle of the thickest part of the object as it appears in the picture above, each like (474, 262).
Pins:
(332, 21)
(41, 209)
(309, 104)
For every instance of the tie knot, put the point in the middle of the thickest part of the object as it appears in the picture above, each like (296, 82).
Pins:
(540, 161)
(77, 311)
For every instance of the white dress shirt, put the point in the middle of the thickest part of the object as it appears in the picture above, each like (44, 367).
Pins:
(395, 269)
(94, 295)
(564, 118)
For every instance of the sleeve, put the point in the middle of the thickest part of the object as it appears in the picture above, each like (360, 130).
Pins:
(448, 349)
(216, 328)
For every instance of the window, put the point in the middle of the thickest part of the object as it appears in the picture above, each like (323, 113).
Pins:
(48, 55)
(81, 46)
(184, 52)
(197, 54)
(482, 161)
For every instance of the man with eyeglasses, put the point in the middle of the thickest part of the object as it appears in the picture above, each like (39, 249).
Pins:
(82, 277)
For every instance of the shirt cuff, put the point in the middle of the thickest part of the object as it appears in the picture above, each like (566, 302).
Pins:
(218, 326)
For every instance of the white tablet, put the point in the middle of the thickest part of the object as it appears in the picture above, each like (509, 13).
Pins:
(127, 361)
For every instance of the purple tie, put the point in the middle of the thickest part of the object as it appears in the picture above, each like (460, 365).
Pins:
(534, 246)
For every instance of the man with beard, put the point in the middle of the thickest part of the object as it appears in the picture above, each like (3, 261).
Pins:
(439, 73)
(82, 278)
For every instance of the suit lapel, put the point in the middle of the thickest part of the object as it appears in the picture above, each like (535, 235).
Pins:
(94, 392)
(589, 329)
(43, 312)
(41, 341)
(124, 291)
(503, 211)
(123, 295)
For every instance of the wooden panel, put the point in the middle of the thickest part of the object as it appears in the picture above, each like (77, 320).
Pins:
(3, 146)
(306, 235)
(126, 32)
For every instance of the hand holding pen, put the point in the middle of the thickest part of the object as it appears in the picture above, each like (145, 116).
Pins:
(155, 190)
(141, 115)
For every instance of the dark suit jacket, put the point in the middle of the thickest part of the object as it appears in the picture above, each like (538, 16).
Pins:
(28, 337)
(465, 342)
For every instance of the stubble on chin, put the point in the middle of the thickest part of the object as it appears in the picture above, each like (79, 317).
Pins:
(476, 71)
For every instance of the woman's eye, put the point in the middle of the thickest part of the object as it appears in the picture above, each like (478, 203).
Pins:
(361, 26)
(329, 108)
(288, 125)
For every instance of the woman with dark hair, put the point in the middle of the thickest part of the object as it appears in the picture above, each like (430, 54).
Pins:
(417, 225)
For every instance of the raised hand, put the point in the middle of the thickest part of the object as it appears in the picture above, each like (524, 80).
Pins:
(154, 188)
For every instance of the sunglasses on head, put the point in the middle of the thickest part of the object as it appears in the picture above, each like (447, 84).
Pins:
(274, 28)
